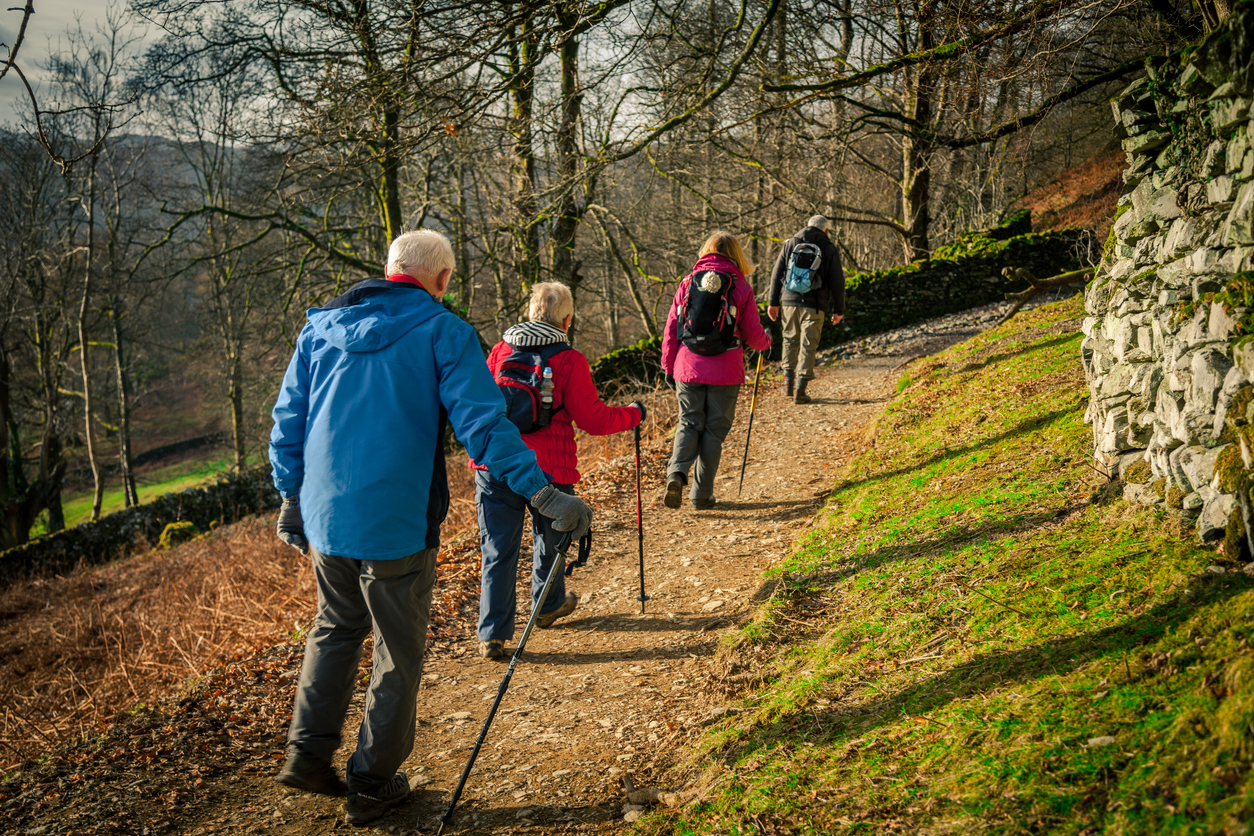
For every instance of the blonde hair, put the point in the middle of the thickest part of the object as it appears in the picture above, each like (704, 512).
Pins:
(726, 244)
(420, 251)
(551, 302)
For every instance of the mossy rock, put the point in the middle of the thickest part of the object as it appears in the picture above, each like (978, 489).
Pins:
(1159, 487)
(1175, 497)
(1230, 471)
(178, 532)
(1234, 545)
(1139, 473)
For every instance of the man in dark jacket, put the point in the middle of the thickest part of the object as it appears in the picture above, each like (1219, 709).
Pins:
(809, 284)
(358, 457)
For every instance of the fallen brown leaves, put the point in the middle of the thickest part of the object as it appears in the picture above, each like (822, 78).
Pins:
(213, 617)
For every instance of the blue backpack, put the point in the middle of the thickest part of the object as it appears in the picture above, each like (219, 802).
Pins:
(803, 268)
(521, 381)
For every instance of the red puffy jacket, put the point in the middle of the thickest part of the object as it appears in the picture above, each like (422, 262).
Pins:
(575, 399)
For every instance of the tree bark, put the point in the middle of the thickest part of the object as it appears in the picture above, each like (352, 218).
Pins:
(567, 212)
(89, 414)
(522, 60)
(130, 495)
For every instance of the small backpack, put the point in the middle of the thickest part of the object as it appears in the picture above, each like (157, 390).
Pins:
(521, 379)
(707, 318)
(803, 268)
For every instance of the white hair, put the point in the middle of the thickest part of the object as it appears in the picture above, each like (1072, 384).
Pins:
(418, 252)
(551, 302)
(817, 221)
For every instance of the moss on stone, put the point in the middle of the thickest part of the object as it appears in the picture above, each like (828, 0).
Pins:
(178, 532)
(1159, 487)
(1230, 470)
(1175, 497)
(1139, 473)
(1234, 534)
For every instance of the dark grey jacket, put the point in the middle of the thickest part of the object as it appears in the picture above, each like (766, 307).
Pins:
(830, 297)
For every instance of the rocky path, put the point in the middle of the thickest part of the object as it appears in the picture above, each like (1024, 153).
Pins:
(610, 691)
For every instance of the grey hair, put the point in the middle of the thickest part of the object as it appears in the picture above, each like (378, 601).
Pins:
(420, 251)
(551, 302)
(817, 221)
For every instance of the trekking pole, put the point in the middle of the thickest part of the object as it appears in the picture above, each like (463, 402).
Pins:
(752, 405)
(562, 546)
(639, 524)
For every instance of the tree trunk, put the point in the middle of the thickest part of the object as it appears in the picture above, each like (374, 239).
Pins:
(235, 394)
(389, 181)
(89, 414)
(526, 231)
(917, 147)
(567, 212)
(130, 496)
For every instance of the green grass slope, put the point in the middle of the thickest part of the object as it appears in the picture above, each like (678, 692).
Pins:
(978, 635)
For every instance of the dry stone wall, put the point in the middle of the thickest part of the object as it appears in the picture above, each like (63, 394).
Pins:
(1166, 348)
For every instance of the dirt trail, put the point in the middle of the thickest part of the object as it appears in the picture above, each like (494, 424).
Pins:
(609, 691)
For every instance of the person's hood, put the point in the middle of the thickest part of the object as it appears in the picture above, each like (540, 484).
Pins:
(373, 314)
(717, 262)
(814, 235)
(533, 334)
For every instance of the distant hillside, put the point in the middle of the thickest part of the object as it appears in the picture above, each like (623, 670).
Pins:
(1083, 196)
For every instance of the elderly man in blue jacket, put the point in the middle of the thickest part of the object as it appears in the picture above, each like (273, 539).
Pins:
(358, 456)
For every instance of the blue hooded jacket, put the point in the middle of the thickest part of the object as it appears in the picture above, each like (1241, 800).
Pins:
(359, 424)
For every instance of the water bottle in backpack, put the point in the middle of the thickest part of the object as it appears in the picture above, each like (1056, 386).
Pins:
(546, 397)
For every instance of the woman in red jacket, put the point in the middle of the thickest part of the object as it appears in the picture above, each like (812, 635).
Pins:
(575, 401)
(707, 381)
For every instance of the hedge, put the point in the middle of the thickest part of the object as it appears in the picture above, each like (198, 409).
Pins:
(229, 499)
(965, 274)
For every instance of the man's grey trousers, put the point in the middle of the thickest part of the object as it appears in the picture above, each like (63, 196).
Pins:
(706, 414)
(392, 598)
(801, 328)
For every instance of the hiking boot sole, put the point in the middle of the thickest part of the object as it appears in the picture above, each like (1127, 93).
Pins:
(674, 494)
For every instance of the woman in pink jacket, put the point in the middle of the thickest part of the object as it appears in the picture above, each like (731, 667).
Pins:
(713, 313)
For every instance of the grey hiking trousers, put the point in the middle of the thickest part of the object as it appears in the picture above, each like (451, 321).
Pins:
(392, 598)
(802, 327)
(706, 414)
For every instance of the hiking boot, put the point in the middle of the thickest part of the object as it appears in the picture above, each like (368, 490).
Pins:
(568, 606)
(364, 808)
(704, 504)
(674, 491)
(801, 396)
(309, 774)
(790, 379)
(493, 649)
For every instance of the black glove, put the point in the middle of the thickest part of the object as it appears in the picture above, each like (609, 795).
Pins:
(569, 513)
(291, 528)
(670, 381)
(640, 406)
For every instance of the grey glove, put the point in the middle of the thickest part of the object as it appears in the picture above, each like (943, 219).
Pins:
(670, 381)
(639, 406)
(569, 513)
(291, 528)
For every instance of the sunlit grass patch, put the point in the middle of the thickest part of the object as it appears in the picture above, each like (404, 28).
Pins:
(993, 644)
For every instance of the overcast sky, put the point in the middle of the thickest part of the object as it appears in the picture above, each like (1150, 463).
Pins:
(51, 20)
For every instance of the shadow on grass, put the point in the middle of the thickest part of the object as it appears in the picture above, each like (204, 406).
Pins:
(951, 539)
(992, 670)
(1033, 424)
(1015, 352)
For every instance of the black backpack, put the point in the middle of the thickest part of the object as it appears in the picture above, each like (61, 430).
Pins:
(707, 319)
(521, 379)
